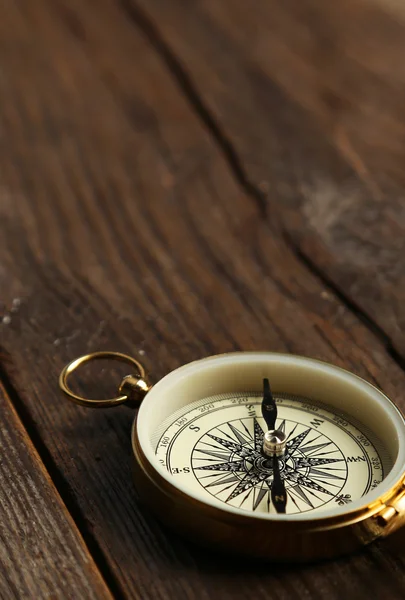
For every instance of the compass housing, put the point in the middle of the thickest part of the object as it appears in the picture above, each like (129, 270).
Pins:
(300, 536)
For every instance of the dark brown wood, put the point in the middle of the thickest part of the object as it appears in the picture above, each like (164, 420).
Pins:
(311, 97)
(42, 554)
(127, 224)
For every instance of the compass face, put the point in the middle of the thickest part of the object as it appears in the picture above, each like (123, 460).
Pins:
(215, 448)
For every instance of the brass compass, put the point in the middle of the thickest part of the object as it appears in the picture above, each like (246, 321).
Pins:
(272, 455)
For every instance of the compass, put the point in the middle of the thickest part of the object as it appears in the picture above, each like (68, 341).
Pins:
(271, 455)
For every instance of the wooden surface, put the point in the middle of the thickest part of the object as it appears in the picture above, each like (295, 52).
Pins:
(179, 179)
(42, 554)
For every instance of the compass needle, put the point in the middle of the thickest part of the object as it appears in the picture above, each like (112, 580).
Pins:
(269, 406)
(229, 461)
(278, 492)
(228, 450)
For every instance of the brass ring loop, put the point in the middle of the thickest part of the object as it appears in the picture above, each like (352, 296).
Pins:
(75, 364)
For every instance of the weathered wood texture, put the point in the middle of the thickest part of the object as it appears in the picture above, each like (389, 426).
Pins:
(310, 96)
(42, 554)
(128, 223)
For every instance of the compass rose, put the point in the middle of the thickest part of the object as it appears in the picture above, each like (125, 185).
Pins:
(229, 463)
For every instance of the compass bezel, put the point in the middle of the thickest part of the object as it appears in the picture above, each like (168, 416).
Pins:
(289, 374)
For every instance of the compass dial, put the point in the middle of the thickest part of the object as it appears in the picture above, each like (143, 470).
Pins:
(215, 448)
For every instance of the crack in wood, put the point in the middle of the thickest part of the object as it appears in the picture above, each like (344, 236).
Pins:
(186, 85)
(189, 90)
(371, 325)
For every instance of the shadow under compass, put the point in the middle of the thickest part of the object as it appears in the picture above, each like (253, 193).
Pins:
(165, 565)
(350, 576)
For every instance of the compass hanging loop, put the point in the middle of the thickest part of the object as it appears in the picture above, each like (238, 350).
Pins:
(131, 390)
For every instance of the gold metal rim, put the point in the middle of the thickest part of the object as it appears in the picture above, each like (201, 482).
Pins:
(271, 542)
(297, 541)
(319, 524)
(86, 358)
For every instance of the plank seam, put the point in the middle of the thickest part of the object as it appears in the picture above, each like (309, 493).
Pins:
(184, 82)
(369, 323)
(61, 485)
(189, 90)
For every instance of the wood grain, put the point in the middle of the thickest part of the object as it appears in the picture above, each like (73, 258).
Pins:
(326, 87)
(42, 554)
(126, 225)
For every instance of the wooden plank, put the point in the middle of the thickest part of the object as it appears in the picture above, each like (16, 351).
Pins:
(326, 87)
(123, 227)
(42, 554)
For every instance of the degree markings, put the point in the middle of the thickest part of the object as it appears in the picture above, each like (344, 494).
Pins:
(226, 458)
